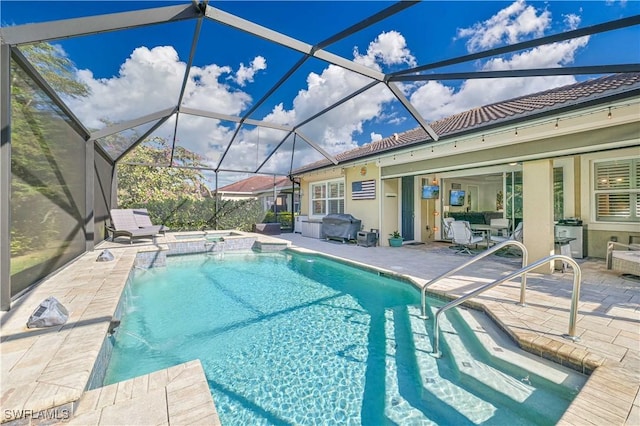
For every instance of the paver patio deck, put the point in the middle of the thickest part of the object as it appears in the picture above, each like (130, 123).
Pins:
(47, 368)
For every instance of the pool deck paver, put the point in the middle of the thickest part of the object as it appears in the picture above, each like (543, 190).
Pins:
(49, 368)
(175, 396)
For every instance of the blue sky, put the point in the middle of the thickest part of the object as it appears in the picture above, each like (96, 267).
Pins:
(232, 70)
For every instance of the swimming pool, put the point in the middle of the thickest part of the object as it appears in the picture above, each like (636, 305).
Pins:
(296, 339)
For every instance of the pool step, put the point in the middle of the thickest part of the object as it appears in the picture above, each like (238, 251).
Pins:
(416, 390)
(510, 386)
(422, 389)
(397, 408)
(462, 405)
(498, 345)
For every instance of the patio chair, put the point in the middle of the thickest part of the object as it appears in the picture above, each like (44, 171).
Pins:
(516, 235)
(464, 237)
(123, 224)
(447, 234)
(500, 223)
(143, 220)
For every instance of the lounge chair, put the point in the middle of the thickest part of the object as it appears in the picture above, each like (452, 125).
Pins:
(625, 259)
(143, 220)
(123, 224)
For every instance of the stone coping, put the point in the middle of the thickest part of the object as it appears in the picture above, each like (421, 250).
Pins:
(565, 354)
(50, 367)
(177, 395)
(45, 368)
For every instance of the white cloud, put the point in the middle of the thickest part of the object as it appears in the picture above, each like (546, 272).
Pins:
(435, 100)
(150, 79)
(245, 74)
(510, 25)
(336, 129)
(390, 48)
(572, 21)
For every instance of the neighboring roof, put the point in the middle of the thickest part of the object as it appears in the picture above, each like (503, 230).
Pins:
(255, 184)
(513, 110)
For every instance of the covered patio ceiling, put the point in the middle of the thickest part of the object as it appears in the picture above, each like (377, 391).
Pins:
(271, 130)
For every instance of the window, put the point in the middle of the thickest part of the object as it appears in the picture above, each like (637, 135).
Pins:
(558, 193)
(617, 188)
(327, 198)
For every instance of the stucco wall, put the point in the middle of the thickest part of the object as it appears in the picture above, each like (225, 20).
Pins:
(537, 210)
(390, 211)
(365, 210)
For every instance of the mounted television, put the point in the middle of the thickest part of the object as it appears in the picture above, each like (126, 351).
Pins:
(456, 197)
(430, 192)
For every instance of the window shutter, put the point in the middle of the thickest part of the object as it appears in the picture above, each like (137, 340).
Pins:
(612, 175)
(617, 194)
(613, 205)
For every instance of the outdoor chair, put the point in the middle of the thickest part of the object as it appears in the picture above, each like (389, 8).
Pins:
(143, 220)
(123, 224)
(516, 235)
(463, 236)
(447, 234)
(500, 223)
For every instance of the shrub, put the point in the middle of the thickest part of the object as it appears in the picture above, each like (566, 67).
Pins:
(192, 215)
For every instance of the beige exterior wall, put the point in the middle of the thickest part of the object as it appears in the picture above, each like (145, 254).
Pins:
(538, 145)
(365, 210)
(537, 210)
(390, 209)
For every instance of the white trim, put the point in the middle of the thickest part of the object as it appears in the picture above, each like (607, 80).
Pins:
(587, 190)
(327, 198)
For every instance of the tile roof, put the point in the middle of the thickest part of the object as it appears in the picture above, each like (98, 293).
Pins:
(516, 109)
(256, 184)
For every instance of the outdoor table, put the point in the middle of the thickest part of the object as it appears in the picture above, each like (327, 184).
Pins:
(486, 230)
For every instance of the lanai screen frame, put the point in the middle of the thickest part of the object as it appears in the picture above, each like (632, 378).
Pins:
(13, 37)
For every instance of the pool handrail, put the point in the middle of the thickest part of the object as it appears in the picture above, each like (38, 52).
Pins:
(575, 296)
(523, 284)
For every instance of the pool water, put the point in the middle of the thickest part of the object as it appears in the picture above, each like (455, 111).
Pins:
(295, 339)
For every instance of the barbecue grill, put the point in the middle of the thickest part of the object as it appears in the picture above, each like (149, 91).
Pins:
(340, 226)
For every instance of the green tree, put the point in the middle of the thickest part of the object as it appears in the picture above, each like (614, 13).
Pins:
(139, 184)
(56, 68)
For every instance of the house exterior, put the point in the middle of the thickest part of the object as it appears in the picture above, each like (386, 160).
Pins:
(568, 154)
(269, 190)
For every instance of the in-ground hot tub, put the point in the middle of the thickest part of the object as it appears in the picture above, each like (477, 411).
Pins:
(208, 241)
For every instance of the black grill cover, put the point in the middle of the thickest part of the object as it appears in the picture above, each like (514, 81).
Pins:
(341, 226)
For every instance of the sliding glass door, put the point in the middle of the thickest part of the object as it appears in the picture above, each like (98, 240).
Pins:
(513, 193)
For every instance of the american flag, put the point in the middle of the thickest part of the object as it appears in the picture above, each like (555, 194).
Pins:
(363, 190)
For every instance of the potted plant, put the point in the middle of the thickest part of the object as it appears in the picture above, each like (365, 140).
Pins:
(395, 239)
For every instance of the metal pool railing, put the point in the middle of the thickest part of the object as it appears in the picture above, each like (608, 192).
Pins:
(523, 285)
(575, 297)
